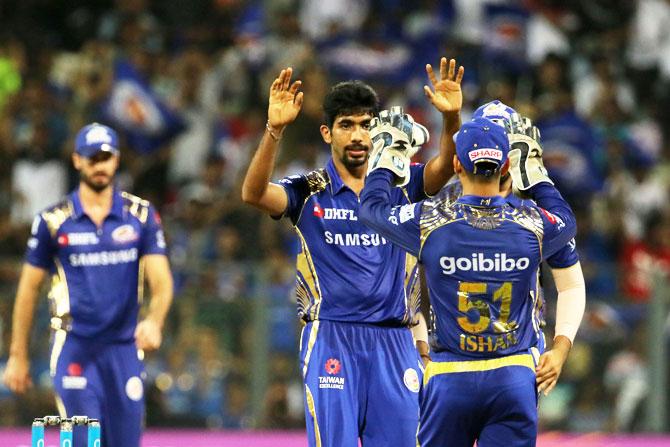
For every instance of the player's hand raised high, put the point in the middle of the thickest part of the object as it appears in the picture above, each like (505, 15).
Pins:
(285, 100)
(446, 95)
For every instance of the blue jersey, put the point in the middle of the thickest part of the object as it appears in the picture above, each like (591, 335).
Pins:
(563, 258)
(481, 258)
(345, 270)
(97, 273)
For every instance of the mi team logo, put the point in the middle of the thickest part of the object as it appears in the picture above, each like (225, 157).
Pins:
(333, 367)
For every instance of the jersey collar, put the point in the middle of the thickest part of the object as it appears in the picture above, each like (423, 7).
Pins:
(491, 202)
(336, 183)
(117, 204)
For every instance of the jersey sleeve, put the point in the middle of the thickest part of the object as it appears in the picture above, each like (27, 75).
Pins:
(297, 190)
(559, 224)
(400, 223)
(564, 257)
(153, 238)
(415, 189)
(41, 248)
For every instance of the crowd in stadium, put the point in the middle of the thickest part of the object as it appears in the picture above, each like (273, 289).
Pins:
(593, 75)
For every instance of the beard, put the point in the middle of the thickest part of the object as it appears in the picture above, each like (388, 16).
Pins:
(354, 161)
(98, 184)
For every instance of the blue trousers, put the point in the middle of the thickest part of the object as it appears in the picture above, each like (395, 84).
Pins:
(492, 402)
(361, 382)
(102, 381)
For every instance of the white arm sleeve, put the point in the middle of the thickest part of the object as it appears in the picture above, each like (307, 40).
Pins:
(571, 300)
(420, 330)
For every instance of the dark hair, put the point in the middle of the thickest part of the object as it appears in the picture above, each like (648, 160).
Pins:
(349, 98)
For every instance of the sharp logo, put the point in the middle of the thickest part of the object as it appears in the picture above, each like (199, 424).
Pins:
(480, 263)
(478, 154)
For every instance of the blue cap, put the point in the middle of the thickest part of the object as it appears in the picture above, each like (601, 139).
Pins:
(94, 138)
(481, 140)
(496, 111)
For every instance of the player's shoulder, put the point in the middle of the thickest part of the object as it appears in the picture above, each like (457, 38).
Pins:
(55, 215)
(312, 182)
(526, 214)
(136, 206)
(439, 210)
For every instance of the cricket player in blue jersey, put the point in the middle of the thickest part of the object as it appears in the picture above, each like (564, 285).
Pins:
(99, 245)
(564, 264)
(357, 293)
(481, 258)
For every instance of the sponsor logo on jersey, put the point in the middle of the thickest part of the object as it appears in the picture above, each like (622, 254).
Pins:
(125, 234)
(411, 379)
(354, 239)
(334, 213)
(553, 218)
(74, 382)
(74, 369)
(72, 239)
(480, 263)
(100, 258)
(333, 367)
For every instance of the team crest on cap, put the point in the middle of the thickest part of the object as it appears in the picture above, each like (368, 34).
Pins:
(496, 109)
(98, 135)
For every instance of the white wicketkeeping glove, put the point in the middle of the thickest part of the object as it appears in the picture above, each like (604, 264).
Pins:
(395, 139)
(525, 155)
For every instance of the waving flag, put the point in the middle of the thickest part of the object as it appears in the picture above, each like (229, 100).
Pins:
(138, 112)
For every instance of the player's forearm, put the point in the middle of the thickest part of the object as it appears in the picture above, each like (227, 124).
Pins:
(420, 335)
(377, 211)
(440, 168)
(261, 167)
(161, 287)
(571, 300)
(161, 300)
(22, 318)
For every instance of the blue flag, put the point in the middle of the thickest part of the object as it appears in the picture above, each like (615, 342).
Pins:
(137, 111)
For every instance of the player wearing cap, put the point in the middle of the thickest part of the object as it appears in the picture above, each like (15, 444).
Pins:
(481, 256)
(99, 245)
(564, 264)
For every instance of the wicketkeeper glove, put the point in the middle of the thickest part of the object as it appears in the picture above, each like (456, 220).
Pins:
(395, 139)
(525, 156)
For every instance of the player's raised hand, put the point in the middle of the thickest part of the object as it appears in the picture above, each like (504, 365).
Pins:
(17, 374)
(446, 94)
(285, 100)
(148, 336)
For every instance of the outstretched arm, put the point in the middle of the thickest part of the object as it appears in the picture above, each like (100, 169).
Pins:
(399, 224)
(17, 372)
(284, 105)
(447, 98)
